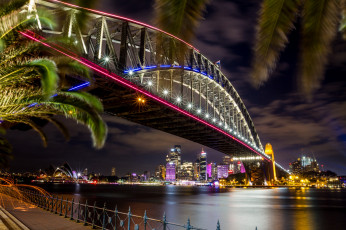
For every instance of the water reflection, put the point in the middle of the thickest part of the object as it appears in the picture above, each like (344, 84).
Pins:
(278, 209)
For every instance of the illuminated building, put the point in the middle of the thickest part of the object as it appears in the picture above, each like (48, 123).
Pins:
(226, 160)
(170, 172)
(196, 169)
(85, 172)
(304, 164)
(203, 166)
(222, 171)
(211, 171)
(187, 171)
(113, 172)
(160, 172)
(175, 157)
(64, 173)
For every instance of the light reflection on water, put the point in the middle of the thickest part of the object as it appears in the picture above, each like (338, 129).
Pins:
(278, 209)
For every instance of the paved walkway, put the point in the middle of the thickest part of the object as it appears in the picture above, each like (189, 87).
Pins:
(35, 218)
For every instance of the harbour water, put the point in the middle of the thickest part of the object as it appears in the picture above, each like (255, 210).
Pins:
(236, 208)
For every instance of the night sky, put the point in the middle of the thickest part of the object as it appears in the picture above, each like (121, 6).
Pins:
(281, 115)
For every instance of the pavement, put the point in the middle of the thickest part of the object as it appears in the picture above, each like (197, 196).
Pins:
(18, 215)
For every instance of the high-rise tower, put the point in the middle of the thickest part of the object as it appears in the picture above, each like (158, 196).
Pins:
(203, 166)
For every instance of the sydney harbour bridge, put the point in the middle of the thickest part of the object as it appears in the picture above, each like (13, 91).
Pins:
(153, 78)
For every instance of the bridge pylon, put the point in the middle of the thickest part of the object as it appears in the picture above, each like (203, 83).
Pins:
(272, 169)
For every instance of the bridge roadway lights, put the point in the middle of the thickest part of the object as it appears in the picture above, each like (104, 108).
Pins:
(131, 49)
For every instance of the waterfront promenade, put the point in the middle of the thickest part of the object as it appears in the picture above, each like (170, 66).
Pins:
(16, 214)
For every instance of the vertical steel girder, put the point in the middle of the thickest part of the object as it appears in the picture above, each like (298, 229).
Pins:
(131, 46)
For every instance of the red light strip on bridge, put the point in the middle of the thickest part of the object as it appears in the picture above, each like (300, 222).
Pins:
(124, 18)
(129, 84)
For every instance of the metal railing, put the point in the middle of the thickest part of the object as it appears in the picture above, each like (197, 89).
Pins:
(96, 217)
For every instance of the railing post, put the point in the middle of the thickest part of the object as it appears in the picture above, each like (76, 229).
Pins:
(104, 217)
(145, 219)
(93, 219)
(85, 212)
(66, 208)
(61, 205)
(78, 211)
(56, 205)
(218, 225)
(71, 216)
(164, 221)
(52, 203)
(129, 219)
(115, 217)
(188, 226)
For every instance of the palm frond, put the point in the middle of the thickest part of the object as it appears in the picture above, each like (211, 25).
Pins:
(342, 27)
(320, 20)
(66, 66)
(179, 17)
(37, 128)
(6, 7)
(60, 126)
(49, 77)
(91, 100)
(276, 21)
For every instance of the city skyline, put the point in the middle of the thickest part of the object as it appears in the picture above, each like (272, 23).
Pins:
(292, 125)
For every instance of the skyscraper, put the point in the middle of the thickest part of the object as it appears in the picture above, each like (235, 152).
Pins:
(222, 171)
(170, 172)
(175, 157)
(113, 172)
(203, 166)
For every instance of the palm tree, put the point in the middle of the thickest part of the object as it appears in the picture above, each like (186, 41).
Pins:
(319, 25)
(180, 18)
(29, 82)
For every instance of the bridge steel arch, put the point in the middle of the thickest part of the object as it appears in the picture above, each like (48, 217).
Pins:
(150, 59)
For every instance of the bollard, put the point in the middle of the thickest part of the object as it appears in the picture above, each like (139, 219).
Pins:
(129, 219)
(104, 217)
(164, 221)
(115, 217)
(85, 212)
(66, 206)
(218, 225)
(71, 216)
(145, 219)
(93, 219)
(78, 211)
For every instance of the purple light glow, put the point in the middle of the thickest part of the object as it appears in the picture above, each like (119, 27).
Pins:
(131, 85)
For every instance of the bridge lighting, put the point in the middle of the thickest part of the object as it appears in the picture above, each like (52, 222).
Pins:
(220, 123)
(189, 106)
(130, 72)
(165, 92)
(207, 116)
(76, 42)
(150, 83)
(107, 60)
(199, 111)
(141, 100)
(214, 119)
(178, 99)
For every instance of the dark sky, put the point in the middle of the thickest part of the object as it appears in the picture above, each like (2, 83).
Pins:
(281, 116)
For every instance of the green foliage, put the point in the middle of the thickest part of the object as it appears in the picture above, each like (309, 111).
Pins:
(180, 18)
(29, 83)
(319, 21)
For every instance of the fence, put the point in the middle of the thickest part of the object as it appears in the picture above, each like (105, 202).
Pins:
(96, 217)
